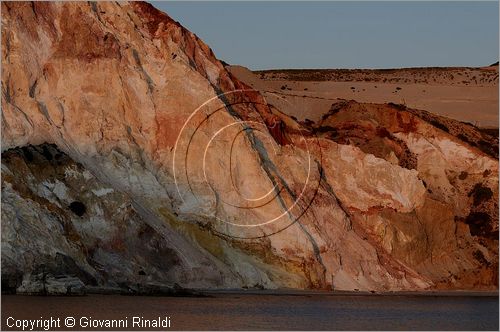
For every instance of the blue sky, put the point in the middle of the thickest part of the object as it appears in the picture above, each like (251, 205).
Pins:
(266, 35)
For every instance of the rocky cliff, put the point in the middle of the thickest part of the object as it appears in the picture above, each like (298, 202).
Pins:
(131, 157)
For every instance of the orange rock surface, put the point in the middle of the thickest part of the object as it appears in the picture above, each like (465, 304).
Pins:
(118, 108)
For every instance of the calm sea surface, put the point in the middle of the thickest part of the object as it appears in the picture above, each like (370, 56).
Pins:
(269, 312)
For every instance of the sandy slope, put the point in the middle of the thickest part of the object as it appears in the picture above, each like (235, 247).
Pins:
(465, 94)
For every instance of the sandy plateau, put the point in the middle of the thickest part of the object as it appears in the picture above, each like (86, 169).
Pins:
(464, 94)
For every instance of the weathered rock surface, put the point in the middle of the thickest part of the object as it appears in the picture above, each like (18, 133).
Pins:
(457, 164)
(130, 156)
(43, 284)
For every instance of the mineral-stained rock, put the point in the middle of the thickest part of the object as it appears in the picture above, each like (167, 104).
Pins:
(132, 157)
(43, 284)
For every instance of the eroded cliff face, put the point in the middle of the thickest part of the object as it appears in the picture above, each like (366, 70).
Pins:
(457, 164)
(130, 156)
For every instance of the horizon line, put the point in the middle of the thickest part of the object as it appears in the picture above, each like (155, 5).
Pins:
(359, 68)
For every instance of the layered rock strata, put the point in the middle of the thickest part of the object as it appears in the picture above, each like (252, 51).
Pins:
(132, 157)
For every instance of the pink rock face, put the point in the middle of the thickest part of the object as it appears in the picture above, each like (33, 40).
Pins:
(227, 190)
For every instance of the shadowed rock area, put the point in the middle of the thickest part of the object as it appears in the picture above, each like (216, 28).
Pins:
(134, 161)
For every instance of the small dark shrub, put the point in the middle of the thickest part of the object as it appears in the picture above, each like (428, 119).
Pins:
(488, 148)
(78, 208)
(383, 132)
(479, 225)
(492, 132)
(27, 153)
(439, 125)
(399, 107)
(480, 194)
(324, 129)
(466, 139)
(478, 255)
(46, 153)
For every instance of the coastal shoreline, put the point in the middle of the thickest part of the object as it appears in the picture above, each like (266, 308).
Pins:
(273, 292)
